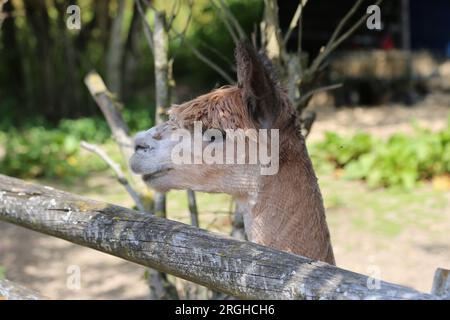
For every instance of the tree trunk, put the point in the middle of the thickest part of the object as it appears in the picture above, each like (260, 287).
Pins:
(130, 58)
(69, 78)
(115, 51)
(12, 54)
(161, 59)
(42, 73)
(272, 37)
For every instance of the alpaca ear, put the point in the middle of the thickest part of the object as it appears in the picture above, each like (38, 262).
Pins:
(259, 90)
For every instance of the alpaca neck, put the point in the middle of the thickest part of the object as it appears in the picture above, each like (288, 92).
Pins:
(286, 212)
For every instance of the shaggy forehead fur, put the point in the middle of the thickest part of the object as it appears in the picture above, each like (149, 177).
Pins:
(220, 109)
(224, 109)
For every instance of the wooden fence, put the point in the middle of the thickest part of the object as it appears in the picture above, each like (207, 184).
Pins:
(239, 268)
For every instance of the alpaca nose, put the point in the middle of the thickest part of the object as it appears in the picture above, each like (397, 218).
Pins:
(141, 148)
(140, 142)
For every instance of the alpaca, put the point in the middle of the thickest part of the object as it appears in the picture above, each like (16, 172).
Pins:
(284, 210)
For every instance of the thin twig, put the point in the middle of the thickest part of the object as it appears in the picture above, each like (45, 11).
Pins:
(219, 54)
(299, 38)
(342, 23)
(182, 34)
(295, 20)
(307, 123)
(147, 30)
(211, 64)
(352, 29)
(173, 13)
(207, 61)
(309, 94)
(233, 19)
(335, 39)
(149, 4)
(193, 210)
(117, 170)
(225, 21)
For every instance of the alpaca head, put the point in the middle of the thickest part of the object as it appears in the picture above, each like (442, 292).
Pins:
(257, 102)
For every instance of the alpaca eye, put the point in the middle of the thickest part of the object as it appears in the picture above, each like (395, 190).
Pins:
(213, 135)
(209, 137)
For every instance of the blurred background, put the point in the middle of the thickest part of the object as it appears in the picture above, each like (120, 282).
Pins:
(379, 141)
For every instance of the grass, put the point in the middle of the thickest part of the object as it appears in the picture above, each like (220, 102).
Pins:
(387, 212)
(381, 212)
(215, 210)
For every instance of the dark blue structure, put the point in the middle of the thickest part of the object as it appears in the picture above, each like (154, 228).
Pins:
(430, 25)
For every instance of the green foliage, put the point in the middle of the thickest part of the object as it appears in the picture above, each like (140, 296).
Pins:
(138, 120)
(38, 149)
(209, 35)
(402, 160)
(340, 151)
(44, 63)
(89, 129)
(39, 152)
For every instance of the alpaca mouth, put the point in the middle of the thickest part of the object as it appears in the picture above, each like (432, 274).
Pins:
(155, 174)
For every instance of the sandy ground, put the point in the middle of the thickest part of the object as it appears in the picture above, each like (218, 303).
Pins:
(399, 238)
(385, 120)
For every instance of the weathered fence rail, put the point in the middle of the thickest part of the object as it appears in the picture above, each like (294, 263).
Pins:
(13, 291)
(238, 268)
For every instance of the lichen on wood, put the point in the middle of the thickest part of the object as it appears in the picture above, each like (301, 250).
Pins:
(13, 291)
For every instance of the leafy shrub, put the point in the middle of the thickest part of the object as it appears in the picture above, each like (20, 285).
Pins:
(38, 152)
(340, 151)
(138, 120)
(89, 129)
(36, 149)
(402, 160)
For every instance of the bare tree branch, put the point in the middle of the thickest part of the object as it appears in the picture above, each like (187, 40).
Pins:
(194, 50)
(193, 208)
(108, 106)
(232, 18)
(219, 54)
(273, 42)
(207, 61)
(226, 22)
(335, 39)
(309, 94)
(149, 5)
(173, 13)
(182, 34)
(295, 20)
(300, 36)
(352, 29)
(117, 170)
(343, 22)
(147, 30)
(115, 51)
